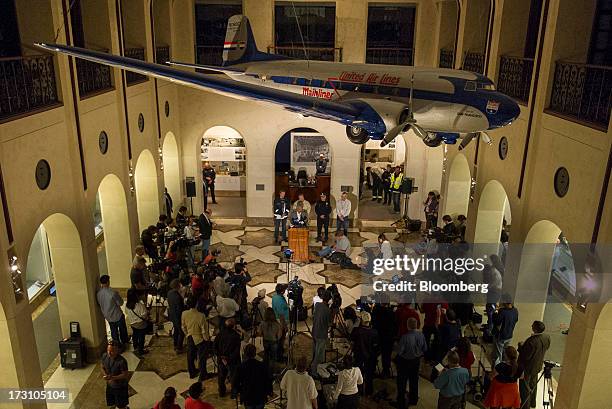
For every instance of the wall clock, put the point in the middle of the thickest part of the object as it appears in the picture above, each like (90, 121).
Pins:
(103, 142)
(503, 148)
(561, 182)
(140, 122)
(43, 174)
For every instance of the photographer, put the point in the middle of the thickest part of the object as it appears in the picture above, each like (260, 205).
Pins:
(531, 360)
(321, 317)
(227, 345)
(281, 310)
(238, 281)
(366, 349)
(176, 306)
(148, 241)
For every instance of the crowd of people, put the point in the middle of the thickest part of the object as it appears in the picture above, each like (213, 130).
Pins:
(211, 320)
(385, 184)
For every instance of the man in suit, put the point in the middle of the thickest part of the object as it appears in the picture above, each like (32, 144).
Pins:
(168, 203)
(281, 210)
(209, 175)
(298, 216)
(531, 360)
(205, 225)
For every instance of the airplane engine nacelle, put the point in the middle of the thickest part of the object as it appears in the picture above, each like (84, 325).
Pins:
(391, 114)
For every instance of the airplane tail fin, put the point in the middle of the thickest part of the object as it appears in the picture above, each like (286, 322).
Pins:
(239, 46)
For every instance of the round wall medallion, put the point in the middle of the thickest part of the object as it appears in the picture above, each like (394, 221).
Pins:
(43, 174)
(140, 122)
(503, 148)
(167, 109)
(562, 181)
(103, 142)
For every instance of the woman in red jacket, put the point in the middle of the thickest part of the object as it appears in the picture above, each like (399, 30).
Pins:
(504, 390)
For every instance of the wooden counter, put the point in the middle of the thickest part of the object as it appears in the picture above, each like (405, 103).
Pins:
(311, 193)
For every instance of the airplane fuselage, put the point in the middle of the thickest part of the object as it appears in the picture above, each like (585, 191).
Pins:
(446, 101)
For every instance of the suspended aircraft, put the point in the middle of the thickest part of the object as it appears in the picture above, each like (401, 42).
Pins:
(372, 101)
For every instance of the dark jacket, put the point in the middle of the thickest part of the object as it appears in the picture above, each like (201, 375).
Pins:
(253, 382)
(278, 206)
(209, 173)
(386, 178)
(176, 306)
(323, 208)
(302, 222)
(531, 354)
(227, 345)
(504, 321)
(365, 344)
(449, 336)
(383, 321)
(321, 165)
(205, 226)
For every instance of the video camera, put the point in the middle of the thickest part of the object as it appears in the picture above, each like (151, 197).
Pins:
(295, 291)
(334, 295)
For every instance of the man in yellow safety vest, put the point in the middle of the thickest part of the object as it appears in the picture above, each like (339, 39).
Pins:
(396, 185)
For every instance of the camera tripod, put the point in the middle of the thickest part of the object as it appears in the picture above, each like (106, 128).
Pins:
(255, 317)
(293, 331)
(548, 395)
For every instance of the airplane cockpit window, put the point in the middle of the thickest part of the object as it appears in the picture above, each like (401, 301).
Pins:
(470, 86)
(482, 85)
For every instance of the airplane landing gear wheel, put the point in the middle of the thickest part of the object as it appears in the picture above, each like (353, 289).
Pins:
(357, 135)
(432, 140)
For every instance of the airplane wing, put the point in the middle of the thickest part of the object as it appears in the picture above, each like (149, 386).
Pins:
(346, 112)
(222, 70)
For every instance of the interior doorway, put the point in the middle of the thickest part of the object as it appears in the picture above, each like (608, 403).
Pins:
(223, 149)
(147, 194)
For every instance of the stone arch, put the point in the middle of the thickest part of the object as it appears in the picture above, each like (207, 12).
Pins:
(490, 216)
(116, 230)
(147, 194)
(75, 289)
(172, 175)
(457, 198)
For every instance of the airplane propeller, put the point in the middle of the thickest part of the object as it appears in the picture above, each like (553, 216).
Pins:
(406, 124)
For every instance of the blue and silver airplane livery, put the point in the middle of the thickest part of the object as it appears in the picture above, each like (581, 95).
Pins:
(373, 101)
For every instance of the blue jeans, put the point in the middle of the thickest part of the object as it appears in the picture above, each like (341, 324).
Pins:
(119, 330)
(500, 345)
(396, 201)
(205, 246)
(280, 224)
(325, 251)
(342, 224)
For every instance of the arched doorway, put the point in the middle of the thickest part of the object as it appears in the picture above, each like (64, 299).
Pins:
(223, 149)
(172, 177)
(58, 237)
(147, 194)
(546, 284)
(116, 230)
(295, 171)
(459, 182)
(492, 207)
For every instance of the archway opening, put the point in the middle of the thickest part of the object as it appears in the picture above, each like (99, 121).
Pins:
(113, 231)
(147, 194)
(295, 166)
(546, 285)
(492, 229)
(56, 252)
(172, 177)
(457, 198)
(374, 162)
(223, 150)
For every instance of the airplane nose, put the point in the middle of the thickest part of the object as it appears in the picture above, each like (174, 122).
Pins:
(507, 112)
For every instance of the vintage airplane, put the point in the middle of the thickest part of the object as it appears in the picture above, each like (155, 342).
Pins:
(373, 101)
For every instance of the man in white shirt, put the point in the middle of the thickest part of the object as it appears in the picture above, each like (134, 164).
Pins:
(299, 387)
(227, 308)
(343, 209)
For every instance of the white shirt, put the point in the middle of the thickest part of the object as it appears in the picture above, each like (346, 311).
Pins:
(227, 307)
(188, 231)
(343, 208)
(385, 249)
(137, 317)
(315, 300)
(348, 379)
(299, 388)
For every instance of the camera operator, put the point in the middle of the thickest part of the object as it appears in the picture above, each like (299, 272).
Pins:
(220, 284)
(383, 321)
(227, 345)
(531, 360)
(176, 306)
(281, 310)
(205, 225)
(137, 276)
(321, 318)
(147, 238)
(181, 216)
(238, 281)
(366, 349)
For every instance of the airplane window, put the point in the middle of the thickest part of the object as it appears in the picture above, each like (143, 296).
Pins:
(470, 86)
(302, 82)
(489, 87)
(316, 83)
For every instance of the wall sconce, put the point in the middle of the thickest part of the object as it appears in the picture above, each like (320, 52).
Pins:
(16, 277)
(472, 189)
(131, 176)
(444, 160)
(161, 157)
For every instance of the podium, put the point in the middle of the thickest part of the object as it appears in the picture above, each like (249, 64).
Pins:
(298, 242)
